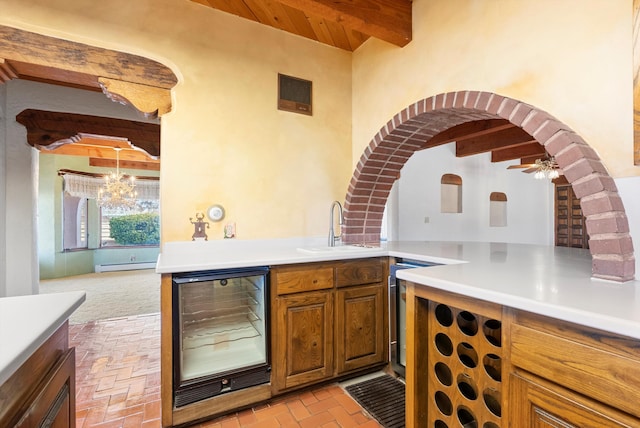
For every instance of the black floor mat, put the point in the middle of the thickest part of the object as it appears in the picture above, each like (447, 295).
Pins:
(383, 398)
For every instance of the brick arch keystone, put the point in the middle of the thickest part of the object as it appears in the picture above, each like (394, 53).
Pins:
(379, 166)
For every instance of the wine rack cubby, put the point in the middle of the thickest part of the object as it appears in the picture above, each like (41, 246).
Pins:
(465, 363)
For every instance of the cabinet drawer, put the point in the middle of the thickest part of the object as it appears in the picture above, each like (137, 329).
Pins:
(610, 377)
(297, 280)
(358, 272)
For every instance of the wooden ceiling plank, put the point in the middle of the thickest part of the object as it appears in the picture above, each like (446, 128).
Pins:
(321, 31)
(61, 54)
(235, 7)
(44, 74)
(505, 138)
(283, 16)
(7, 72)
(263, 13)
(388, 20)
(300, 22)
(532, 149)
(356, 38)
(45, 128)
(338, 35)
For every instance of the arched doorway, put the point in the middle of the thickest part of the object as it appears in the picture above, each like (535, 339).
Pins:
(409, 130)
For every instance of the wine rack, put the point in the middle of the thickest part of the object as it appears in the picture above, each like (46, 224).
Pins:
(465, 363)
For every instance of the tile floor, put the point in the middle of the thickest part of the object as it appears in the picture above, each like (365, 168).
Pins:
(118, 385)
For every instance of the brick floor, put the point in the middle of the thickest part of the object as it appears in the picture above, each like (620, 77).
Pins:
(118, 385)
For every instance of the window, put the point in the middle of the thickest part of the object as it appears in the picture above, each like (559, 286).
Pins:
(497, 209)
(118, 227)
(75, 221)
(137, 227)
(451, 194)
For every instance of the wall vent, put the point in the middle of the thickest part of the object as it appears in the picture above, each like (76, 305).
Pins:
(294, 94)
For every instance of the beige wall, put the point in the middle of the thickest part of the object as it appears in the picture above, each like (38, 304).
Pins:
(571, 58)
(275, 172)
(225, 142)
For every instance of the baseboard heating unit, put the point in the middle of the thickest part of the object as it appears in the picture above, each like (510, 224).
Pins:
(124, 266)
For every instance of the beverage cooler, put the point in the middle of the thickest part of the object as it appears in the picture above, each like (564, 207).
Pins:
(398, 314)
(220, 332)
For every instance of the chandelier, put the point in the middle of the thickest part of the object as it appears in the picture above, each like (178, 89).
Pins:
(547, 168)
(117, 191)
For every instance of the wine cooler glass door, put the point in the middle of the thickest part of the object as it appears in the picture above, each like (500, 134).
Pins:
(222, 325)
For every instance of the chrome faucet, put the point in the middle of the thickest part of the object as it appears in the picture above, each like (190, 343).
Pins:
(332, 234)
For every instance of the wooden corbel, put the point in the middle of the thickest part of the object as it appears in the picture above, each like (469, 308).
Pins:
(151, 101)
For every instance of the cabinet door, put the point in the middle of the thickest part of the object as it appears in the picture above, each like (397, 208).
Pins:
(360, 327)
(54, 403)
(303, 339)
(540, 404)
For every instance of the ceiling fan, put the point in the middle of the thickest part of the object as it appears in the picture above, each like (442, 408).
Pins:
(543, 168)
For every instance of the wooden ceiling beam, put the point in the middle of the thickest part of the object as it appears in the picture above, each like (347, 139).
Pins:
(529, 160)
(502, 139)
(531, 149)
(46, 128)
(62, 172)
(125, 164)
(24, 46)
(468, 130)
(139, 81)
(388, 20)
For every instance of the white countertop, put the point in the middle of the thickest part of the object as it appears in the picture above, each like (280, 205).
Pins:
(551, 281)
(26, 322)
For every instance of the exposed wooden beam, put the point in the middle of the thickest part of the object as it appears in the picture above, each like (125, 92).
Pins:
(144, 83)
(98, 152)
(125, 164)
(24, 46)
(529, 160)
(388, 20)
(93, 174)
(531, 149)
(468, 130)
(502, 139)
(46, 128)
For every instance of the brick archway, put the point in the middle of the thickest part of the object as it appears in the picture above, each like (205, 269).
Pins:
(607, 224)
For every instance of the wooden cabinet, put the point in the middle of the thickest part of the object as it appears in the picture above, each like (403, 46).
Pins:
(52, 406)
(537, 403)
(328, 319)
(303, 339)
(573, 375)
(533, 371)
(360, 327)
(41, 393)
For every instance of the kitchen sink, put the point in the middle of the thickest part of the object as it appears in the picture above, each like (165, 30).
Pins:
(339, 249)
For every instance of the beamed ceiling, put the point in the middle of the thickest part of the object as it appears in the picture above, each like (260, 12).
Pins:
(146, 85)
(340, 23)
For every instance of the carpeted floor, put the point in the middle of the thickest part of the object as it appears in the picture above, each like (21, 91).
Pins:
(110, 294)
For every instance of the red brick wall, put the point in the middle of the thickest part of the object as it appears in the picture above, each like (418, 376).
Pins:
(379, 166)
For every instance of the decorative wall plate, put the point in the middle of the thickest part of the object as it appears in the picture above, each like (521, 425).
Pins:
(215, 212)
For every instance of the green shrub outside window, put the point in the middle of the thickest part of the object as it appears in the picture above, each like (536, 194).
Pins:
(136, 229)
